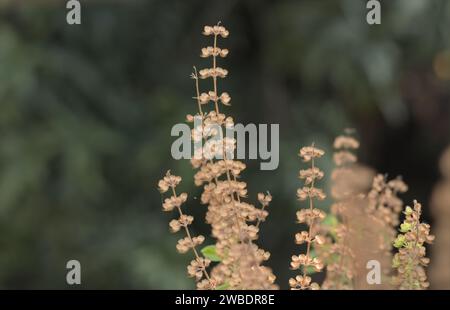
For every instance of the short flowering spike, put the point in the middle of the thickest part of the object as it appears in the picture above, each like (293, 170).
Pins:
(410, 261)
(309, 216)
(197, 268)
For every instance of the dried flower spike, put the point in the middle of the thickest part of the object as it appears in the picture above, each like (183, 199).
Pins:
(234, 223)
(197, 267)
(309, 216)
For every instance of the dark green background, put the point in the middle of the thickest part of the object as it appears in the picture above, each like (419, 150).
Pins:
(86, 113)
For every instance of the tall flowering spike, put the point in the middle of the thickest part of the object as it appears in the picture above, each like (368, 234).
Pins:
(311, 217)
(197, 267)
(234, 223)
(410, 261)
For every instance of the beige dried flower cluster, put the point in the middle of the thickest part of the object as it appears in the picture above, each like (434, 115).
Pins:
(362, 241)
(366, 219)
(197, 267)
(411, 257)
(345, 188)
(371, 221)
(385, 206)
(440, 204)
(310, 217)
(234, 222)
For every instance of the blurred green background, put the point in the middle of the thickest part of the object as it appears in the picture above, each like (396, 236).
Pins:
(86, 112)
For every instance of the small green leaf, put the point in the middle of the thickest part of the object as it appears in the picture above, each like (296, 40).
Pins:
(310, 270)
(210, 253)
(223, 286)
(330, 221)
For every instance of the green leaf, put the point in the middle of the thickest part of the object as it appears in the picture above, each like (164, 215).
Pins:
(210, 253)
(310, 270)
(330, 221)
(223, 286)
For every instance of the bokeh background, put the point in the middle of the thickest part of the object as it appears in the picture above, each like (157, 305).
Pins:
(86, 113)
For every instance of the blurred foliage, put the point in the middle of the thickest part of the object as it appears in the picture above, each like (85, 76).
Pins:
(86, 113)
